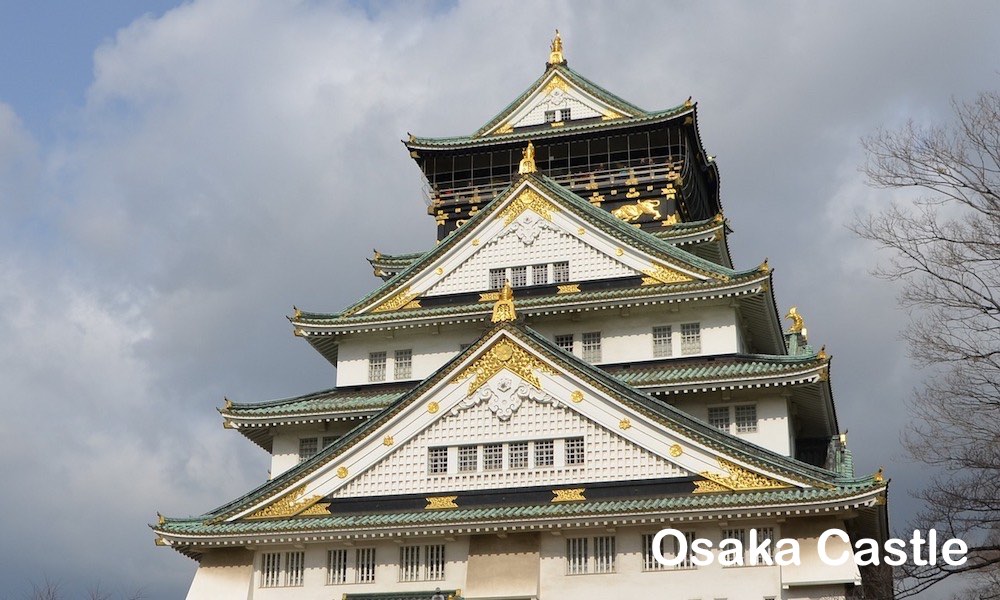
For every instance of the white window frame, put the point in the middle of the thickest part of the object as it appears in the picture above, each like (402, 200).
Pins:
(377, 366)
(464, 464)
(336, 566)
(690, 339)
(308, 448)
(663, 343)
(437, 460)
(577, 556)
(565, 341)
(364, 565)
(592, 346)
(716, 421)
(295, 569)
(402, 364)
(745, 425)
(546, 450)
(270, 569)
(575, 451)
(517, 458)
(493, 457)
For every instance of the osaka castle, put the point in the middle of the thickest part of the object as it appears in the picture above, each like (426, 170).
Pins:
(573, 365)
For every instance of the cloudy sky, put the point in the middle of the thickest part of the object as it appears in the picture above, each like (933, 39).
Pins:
(173, 177)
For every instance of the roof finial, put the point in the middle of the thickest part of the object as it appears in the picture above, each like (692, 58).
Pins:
(528, 161)
(503, 310)
(797, 322)
(556, 50)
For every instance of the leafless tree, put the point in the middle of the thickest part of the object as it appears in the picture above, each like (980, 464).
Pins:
(945, 252)
(51, 590)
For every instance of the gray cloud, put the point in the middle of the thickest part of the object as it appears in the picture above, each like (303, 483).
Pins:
(233, 158)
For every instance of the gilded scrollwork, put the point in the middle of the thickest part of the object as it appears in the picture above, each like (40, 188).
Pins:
(660, 274)
(570, 495)
(527, 199)
(503, 354)
(397, 301)
(291, 504)
(737, 479)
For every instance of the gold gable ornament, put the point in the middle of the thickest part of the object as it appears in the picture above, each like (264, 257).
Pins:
(736, 479)
(503, 310)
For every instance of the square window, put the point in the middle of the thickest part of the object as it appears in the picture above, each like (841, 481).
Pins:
(550, 116)
(437, 460)
(746, 418)
(539, 274)
(336, 566)
(565, 342)
(564, 116)
(308, 447)
(519, 277)
(575, 454)
(376, 366)
(718, 417)
(592, 346)
(497, 278)
(544, 453)
(493, 457)
(468, 457)
(364, 565)
(662, 343)
(518, 455)
(403, 364)
(560, 272)
(691, 338)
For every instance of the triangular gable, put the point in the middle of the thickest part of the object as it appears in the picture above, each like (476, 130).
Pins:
(531, 206)
(534, 366)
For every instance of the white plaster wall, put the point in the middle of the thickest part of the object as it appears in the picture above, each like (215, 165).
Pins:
(285, 444)
(536, 115)
(223, 573)
(772, 416)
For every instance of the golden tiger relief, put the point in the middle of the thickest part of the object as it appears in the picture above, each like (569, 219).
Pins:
(631, 212)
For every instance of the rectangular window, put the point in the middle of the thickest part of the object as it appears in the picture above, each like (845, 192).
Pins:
(735, 534)
(604, 554)
(270, 569)
(574, 451)
(434, 562)
(662, 344)
(336, 566)
(676, 551)
(437, 461)
(539, 274)
(518, 455)
(403, 364)
(746, 418)
(468, 457)
(519, 277)
(493, 457)
(497, 278)
(376, 366)
(649, 562)
(409, 563)
(560, 272)
(592, 346)
(766, 533)
(691, 338)
(718, 417)
(308, 447)
(565, 342)
(295, 568)
(576, 556)
(364, 565)
(545, 453)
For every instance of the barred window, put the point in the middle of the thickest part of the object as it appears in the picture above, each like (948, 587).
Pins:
(519, 277)
(364, 565)
(718, 417)
(604, 554)
(519, 455)
(468, 457)
(565, 114)
(687, 563)
(560, 272)
(270, 569)
(295, 568)
(493, 457)
(746, 418)
(576, 556)
(336, 566)
(539, 274)
(574, 451)
(497, 278)
(434, 562)
(376, 366)
(766, 533)
(649, 562)
(735, 534)
(565, 342)
(544, 453)
(662, 345)
(328, 440)
(308, 447)
(592, 346)
(437, 460)
(409, 563)
(403, 364)
(691, 338)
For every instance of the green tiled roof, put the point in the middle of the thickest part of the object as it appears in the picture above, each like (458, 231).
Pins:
(331, 400)
(395, 261)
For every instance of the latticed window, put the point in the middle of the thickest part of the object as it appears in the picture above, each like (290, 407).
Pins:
(308, 447)
(604, 554)
(662, 344)
(691, 338)
(376, 366)
(295, 568)
(766, 533)
(734, 534)
(565, 342)
(518, 455)
(576, 556)
(687, 563)
(746, 418)
(592, 346)
(649, 562)
(550, 116)
(467, 458)
(402, 364)
(575, 453)
(519, 277)
(364, 565)
(270, 569)
(560, 272)
(409, 563)
(718, 417)
(539, 274)
(497, 278)
(545, 453)
(493, 457)
(434, 562)
(336, 566)
(437, 461)
(328, 440)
